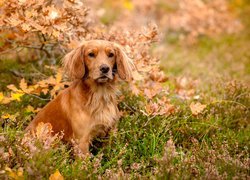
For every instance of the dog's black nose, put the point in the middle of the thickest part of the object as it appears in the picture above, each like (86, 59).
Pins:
(104, 68)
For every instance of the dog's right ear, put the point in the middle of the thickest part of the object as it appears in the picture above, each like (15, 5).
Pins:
(73, 63)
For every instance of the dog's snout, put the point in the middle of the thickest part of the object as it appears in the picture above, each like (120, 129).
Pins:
(104, 68)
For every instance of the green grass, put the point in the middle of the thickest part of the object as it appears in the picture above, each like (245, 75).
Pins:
(211, 144)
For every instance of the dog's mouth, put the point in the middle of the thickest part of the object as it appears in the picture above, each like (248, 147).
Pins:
(103, 79)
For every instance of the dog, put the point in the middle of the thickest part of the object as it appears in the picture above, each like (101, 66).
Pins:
(88, 107)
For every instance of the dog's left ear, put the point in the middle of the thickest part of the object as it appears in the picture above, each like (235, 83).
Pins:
(124, 64)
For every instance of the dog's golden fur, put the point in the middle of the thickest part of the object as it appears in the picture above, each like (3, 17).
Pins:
(87, 108)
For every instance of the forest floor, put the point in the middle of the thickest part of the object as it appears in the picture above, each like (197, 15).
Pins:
(211, 145)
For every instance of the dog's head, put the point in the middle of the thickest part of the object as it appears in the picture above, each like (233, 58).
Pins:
(99, 61)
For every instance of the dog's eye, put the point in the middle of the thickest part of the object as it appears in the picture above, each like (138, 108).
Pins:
(111, 55)
(91, 54)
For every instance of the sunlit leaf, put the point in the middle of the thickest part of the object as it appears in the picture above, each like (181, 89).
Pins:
(59, 76)
(16, 96)
(1, 2)
(30, 109)
(197, 108)
(6, 100)
(43, 130)
(13, 88)
(12, 117)
(6, 116)
(56, 176)
(15, 175)
(1, 96)
(128, 5)
(23, 85)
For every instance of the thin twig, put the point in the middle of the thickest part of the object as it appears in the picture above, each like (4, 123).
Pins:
(39, 72)
(228, 101)
(130, 108)
(33, 95)
(8, 50)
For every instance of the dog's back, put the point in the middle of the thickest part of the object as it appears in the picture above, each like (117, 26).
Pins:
(54, 114)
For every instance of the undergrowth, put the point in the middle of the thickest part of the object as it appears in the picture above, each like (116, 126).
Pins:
(214, 144)
(211, 145)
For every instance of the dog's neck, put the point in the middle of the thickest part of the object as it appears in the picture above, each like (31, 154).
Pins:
(97, 96)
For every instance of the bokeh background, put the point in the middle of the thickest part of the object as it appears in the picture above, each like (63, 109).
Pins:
(185, 115)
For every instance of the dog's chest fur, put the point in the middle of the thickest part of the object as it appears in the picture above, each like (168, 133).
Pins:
(96, 116)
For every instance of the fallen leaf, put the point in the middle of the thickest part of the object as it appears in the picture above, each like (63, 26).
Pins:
(16, 96)
(134, 89)
(6, 116)
(30, 109)
(6, 100)
(23, 85)
(15, 175)
(197, 108)
(56, 176)
(12, 117)
(43, 130)
(59, 76)
(128, 5)
(12, 87)
(137, 76)
(1, 96)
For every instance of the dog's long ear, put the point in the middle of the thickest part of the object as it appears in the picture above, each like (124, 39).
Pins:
(124, 64)
(73, 63)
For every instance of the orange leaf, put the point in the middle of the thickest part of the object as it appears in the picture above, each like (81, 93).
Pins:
(23, 85)
(43, 130)
(59, 76)
(12, 87)
(56, 176)
(16, 96)
(15, 175)
(1, 96)
(134, 89)
(197, 108)
(30, 108)
(6, 100)
(6, 116)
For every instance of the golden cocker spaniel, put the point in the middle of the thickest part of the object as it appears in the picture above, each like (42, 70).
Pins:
(88, 107)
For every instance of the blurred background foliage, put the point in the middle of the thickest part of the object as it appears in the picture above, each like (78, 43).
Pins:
(186, 114)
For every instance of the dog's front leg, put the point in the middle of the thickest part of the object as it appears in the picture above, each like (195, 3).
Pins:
(84, 144)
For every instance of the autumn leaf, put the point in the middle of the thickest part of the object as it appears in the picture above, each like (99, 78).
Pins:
(56, 33)
(43, 130)
(128, 5)
(1, 3)
(56, 176)
(149, 93)
(135, 90)
(24, 87)
(59, 76)
(26, 27)
(197, 108)
(15, 175)
(16, 96)
(6, 116)
(13, 88)
(12, 117)
(73, 44)
(30, 109)
(14, 21)
(1, 96)
(6, 100)
(137, 76)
